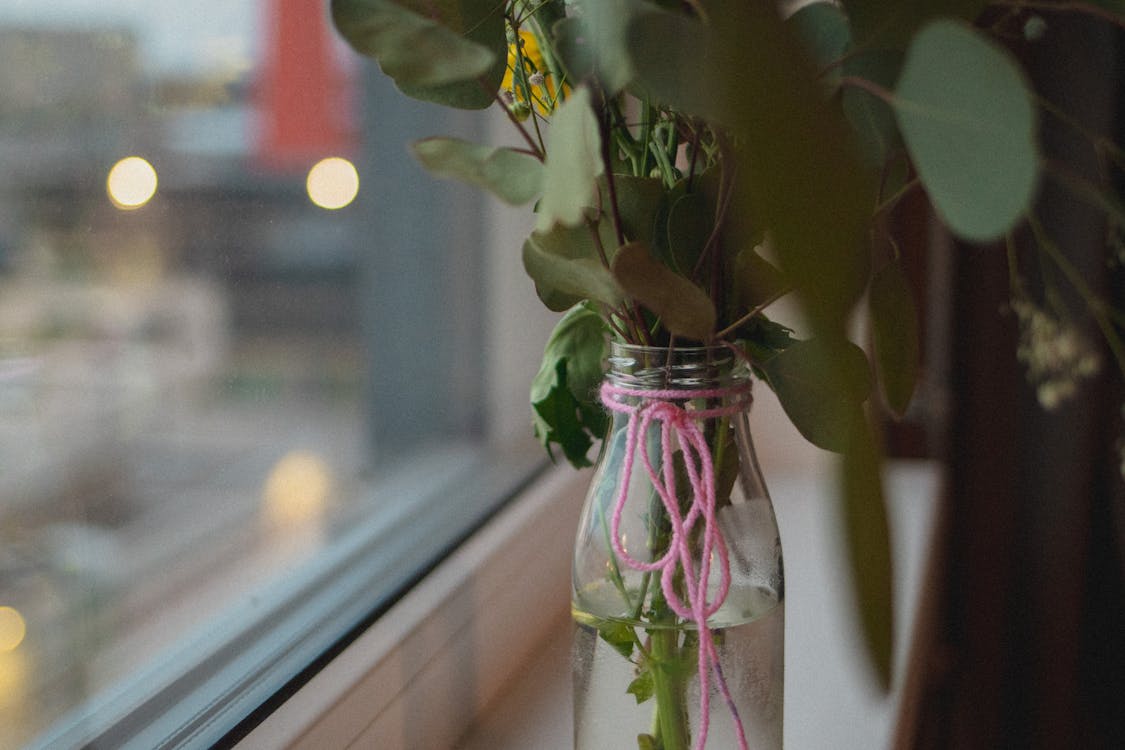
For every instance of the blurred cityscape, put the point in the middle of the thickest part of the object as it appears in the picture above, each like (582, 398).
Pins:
(181, 371)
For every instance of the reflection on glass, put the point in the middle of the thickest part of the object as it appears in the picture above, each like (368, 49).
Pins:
(297, 490)
(162, 371)
(12, 629)
(333, 183)
(131, 183)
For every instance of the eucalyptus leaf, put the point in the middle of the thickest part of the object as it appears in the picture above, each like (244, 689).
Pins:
(445, 51)
(800, 177)
(689, 225)
(821, 384)
(592, 43)
(684, 309)
(967, 116)
(691, 85)
(890, 24)
(513, 176)
(869, 548)
(756, 280)
(639, 202)
(871, 117)
(823, 27)
(574, 163)
(894, 319)
(565, 267)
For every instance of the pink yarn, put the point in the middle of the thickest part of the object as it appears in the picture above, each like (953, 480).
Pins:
(675, 420)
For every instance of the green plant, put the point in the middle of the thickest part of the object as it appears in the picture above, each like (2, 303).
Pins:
(692, 162)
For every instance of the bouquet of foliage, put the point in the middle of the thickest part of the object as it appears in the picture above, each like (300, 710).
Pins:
(690, 162)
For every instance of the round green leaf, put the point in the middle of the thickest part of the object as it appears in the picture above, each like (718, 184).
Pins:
(683, 308)
(821, 384)
(439, 51)
(823, 28)
(574, 163)
(565, 267)
(690, 222)
(871, 118)
(513, 176)
(966, 115)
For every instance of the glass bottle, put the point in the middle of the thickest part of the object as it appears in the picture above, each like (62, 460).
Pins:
(697, 560)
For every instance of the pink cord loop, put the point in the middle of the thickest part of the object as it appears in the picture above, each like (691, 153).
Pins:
(681, 426)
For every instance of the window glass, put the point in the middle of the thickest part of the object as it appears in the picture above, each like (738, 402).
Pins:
(233, 326)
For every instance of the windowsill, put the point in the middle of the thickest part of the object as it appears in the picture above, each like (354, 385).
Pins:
(484, 642)
(426, 669)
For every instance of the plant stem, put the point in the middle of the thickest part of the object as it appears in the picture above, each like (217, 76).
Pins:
(902, 193)
(536, 148)
(869, 86)
(755, 311)
(669, 689)
(1077, 7)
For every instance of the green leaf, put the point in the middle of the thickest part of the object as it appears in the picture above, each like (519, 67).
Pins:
(574, 162)
(823, 28)
(691, 85)
(592, 43)
(684, 309)
(690, 222)
(643, 687)
(756, 280)
(619, 635)
(557, 418)
(966, 114)
(563, 392)
(640, 201)
(821, 384)
(869, 548)
(451, 52)
(871, 117)
(889, 24)
(799, 176)
(513, 176)
(763, 338)
(894, 319)
(565, 267)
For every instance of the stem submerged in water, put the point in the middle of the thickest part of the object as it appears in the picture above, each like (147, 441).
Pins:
(669, 683)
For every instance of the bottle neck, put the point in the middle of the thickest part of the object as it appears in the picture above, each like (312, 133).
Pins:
(687, 369)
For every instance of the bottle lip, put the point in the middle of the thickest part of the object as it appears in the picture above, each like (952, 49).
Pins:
(689, 367)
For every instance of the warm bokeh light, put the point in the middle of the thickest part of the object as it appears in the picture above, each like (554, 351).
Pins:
(297, 489)
(131, 183)
(12, 629)
(15, 684)
(333, 183)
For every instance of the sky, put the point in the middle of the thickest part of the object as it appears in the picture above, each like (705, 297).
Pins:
(175, 36)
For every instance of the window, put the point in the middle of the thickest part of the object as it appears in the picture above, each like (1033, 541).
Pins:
(247, 396)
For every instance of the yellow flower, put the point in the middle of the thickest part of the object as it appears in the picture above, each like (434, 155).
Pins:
(534, 77)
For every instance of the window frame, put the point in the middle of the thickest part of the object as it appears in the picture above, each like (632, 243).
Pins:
(452, 643)
(215, 687)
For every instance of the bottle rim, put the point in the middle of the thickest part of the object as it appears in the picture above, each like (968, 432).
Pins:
(689, 367)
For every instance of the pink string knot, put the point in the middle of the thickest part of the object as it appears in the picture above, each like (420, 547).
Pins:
(681, 426)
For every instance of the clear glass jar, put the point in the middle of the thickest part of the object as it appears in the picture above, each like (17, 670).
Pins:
(697, 559)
